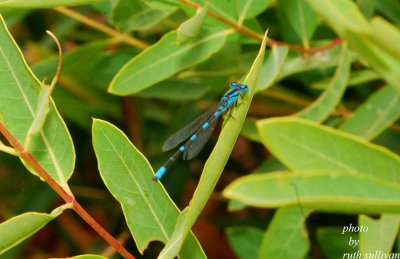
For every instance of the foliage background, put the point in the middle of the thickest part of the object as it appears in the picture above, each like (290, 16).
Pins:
(309, 73)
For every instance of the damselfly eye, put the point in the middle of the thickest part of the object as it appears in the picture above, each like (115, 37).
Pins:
(233, 85)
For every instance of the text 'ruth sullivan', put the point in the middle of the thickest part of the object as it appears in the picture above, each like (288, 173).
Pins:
(372, 255)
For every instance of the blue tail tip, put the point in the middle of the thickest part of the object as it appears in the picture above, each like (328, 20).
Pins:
(160, 172)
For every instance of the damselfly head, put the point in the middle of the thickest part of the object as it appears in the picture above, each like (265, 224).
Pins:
(241, 87)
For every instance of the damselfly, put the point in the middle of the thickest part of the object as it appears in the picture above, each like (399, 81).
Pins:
(199, 131)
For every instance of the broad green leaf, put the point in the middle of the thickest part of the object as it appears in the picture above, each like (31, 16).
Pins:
(44, 3)
(165, 59)
(320, 109)
(216, 162)
(380, 235)
(245, 241)
(129, 15)
(19, 228)
(304, 145)
(191, 28)
(324, 190)
(374, 115)
(342, 15)
(301, 17)
(272, 66)
(52, 146)
(149, 212)
(286, 236)
(251, 8)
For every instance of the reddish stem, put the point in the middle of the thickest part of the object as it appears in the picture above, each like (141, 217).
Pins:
(69, 198)
(251, 34)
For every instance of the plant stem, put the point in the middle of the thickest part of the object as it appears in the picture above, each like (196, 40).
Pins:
(245, 31)
(67, 197)
(103, 28)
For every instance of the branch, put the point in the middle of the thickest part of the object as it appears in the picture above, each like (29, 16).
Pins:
(245, 31)
(68, 198)
(103, 28)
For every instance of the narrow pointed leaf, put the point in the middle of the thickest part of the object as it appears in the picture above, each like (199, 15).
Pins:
(216, 162)
(166, 58)
(320, 109)
(341, 14)
(272, 66)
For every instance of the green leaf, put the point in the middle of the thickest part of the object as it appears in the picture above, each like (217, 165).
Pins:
(320, 109)
(176, 90)
(323, 190)
(367, 7)
(165, 59)
(191, 28)
(345, 18)
(216, 162)
(245, 241)
(149, 212)
(304, 145)
(379, 59)
(380, 235)
(272, 67)
(298, 64)
(342, 15)
(44, 3)
(129, 15)
(386, 36)
(19, 228)
(251, 8)
(301, 17)
(249, 130)
(373, 116)
(390, 8)
(226, 9)
(286, 236)
(52, 147)
(356, 77)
